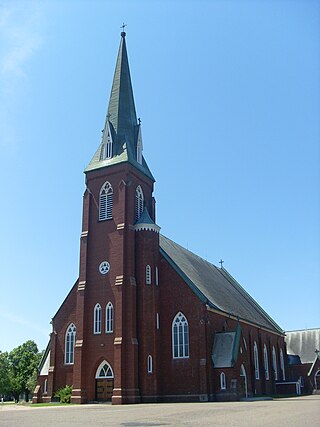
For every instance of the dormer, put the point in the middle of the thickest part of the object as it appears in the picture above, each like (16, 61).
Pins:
(107, 143)
(139, 146)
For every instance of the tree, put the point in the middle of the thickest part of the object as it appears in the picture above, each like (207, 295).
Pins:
(23, 362)
(5, 386)
(32, 381)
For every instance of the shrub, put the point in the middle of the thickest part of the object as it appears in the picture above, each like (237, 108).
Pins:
(64, 394)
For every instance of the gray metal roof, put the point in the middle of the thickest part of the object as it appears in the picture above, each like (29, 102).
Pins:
(215, 286)
(145, 222)
(145, 218)
(294, 359)
(303, 343)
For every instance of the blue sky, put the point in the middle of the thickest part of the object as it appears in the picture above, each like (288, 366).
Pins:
(228, 94)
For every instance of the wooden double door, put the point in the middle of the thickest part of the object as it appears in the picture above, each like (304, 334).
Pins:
(104, 389)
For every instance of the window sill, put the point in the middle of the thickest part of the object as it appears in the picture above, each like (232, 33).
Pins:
(179, 358)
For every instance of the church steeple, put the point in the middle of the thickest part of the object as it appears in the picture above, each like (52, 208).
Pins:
(121, 110)
(121, 136)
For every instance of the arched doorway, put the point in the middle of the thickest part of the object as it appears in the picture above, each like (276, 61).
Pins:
(243, 382)
(104, 382)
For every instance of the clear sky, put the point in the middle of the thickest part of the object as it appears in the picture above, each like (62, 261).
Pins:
(228, 94)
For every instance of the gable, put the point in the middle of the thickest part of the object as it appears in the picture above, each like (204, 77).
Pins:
(45, 367)
(68, 304)
(44, 364)
(315, 367)
(215, 286)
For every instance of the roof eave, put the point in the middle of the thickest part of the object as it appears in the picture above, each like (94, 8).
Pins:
(213, 308)
(103, 165)
(231, 279)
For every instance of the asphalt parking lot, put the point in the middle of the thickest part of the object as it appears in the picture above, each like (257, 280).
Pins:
(300, 411)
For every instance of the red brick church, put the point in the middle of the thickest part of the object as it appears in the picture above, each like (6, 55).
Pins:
(147, 320)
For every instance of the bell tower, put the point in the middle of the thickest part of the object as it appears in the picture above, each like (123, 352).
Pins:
(119, 187)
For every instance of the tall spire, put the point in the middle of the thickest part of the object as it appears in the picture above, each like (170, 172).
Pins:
(121, 136)
(121, 108)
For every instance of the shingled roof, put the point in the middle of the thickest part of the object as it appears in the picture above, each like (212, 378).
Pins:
(215, 286)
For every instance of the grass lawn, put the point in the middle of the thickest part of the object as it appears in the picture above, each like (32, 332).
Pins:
(48, 404)
(32, 405)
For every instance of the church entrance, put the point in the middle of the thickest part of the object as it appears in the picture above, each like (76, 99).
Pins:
(104, 390)
(104, 382)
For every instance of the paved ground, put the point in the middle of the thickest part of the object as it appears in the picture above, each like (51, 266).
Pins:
(293, 412)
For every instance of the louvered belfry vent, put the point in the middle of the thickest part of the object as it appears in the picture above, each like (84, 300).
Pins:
(105, 202)
(139, 202)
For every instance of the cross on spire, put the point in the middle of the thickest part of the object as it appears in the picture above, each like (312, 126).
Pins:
(123, 26)
(221, 262)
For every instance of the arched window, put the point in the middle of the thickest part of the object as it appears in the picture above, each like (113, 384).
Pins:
(158, 321)
(180, 336)
(97, 319)
(256, 360)
(105, 201)
(139, 202)
(282, 365)
(109, 318)
(244, 343)
(149, 364)
(148, 275)
(274, 363)
(157, 276)
(45, 386)
(104, 370)
(69, 344)
(265, 360)
(223, 383)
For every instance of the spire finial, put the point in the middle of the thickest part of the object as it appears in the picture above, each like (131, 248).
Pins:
(123, 26)
(221, 262)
